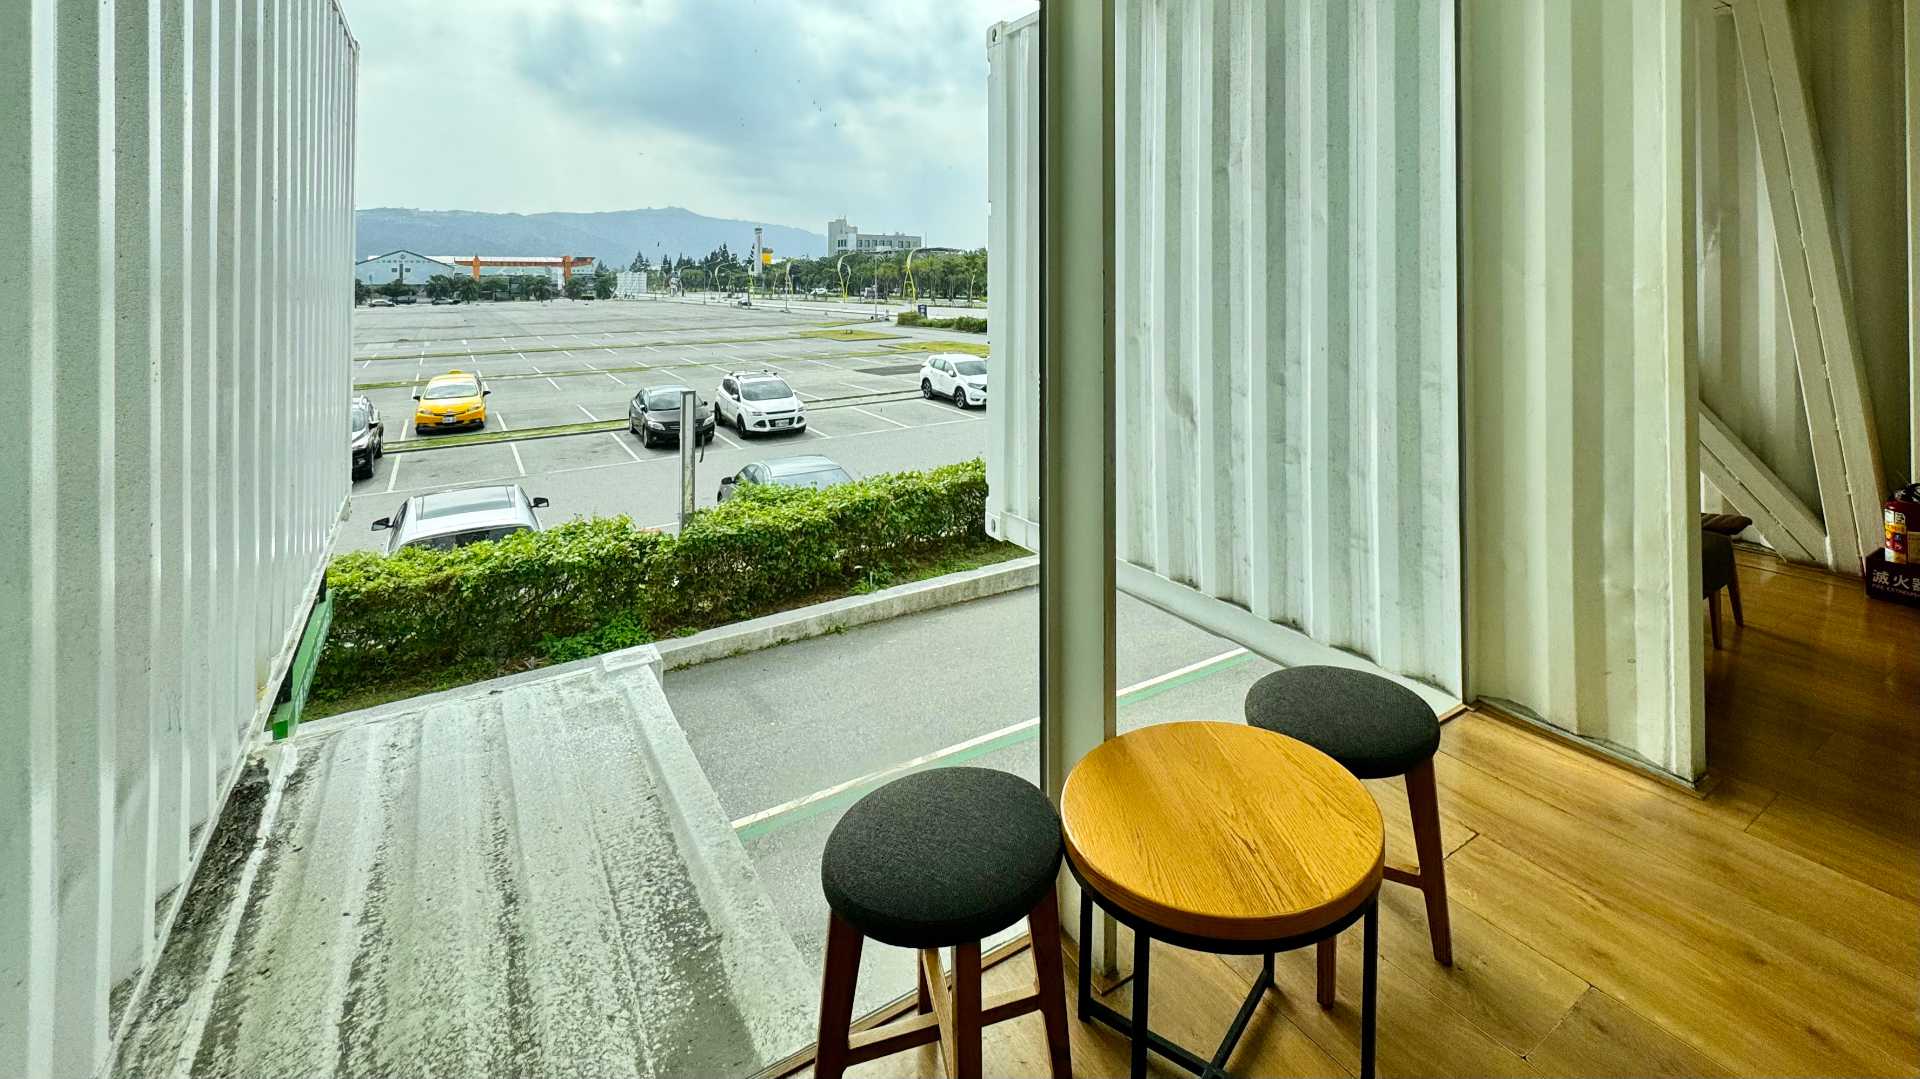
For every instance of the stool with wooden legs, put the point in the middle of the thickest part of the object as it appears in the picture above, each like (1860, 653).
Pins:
(942, 859)
(1376, 728)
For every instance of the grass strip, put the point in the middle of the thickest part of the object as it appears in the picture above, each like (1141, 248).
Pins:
(972, 348)
(480, 438)
(849, 335)
(465, 353)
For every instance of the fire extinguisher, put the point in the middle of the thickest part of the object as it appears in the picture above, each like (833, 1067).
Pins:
(1902, 519)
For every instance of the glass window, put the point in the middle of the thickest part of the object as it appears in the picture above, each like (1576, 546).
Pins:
(766, 390)
(447, 391)
(970, 368)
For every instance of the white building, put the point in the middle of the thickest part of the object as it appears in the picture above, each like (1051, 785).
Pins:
(631, 285)
(845, 239)
(404, 267)
(176, 459)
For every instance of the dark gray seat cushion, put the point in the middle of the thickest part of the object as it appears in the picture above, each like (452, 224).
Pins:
(942, 857)
(1374, 726)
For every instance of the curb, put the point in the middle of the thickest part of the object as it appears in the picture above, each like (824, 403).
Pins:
(836, 615)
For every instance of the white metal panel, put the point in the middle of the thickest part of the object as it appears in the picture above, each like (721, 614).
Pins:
(142, 622)
(1584, 584)
(1286, 388)
(1013, 296)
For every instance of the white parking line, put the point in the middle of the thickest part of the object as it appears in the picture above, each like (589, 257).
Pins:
(552, 383)
(588, 411)
(717, 434)
(530, 363)
(616, 378)
(393, 474)
(877, 416)
(502, 417)
(517, 463)
(622, 443)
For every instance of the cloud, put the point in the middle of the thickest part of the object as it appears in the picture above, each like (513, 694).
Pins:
(790, 111)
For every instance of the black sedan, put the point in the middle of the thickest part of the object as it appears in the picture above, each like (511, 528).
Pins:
(366, 436)
(654, 415)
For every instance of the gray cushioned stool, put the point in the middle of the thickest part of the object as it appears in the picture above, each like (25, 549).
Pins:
(941, 859)
(1376, 728)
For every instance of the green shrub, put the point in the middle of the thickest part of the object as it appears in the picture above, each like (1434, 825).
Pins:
(964, 323)
(421, 608)
(591, 586)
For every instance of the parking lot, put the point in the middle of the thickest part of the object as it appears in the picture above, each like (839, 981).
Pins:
(554, 365)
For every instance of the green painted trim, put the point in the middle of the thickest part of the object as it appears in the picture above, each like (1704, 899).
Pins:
(306, 660)
(480, 438)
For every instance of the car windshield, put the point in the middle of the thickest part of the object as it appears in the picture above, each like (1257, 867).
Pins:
(460, 539)
(443, 391)
(970, 367)
(666, 400)
(771, 389)
(360, 419)
(825, 477)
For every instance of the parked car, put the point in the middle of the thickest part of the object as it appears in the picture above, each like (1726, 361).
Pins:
(955, 376)
(366, 436)
(819, 291)
(406, 298)
(379, 301)
(806, 470)
(440, 301)
(451, 401)
(759, 402)
(654, 415)
(447, 519)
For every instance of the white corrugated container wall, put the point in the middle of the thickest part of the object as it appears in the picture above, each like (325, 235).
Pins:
(1584, 593)
(1852, 57)
(178, 175)
(1287, 428)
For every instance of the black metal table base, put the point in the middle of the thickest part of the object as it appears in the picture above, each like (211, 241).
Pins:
(1136, 1027)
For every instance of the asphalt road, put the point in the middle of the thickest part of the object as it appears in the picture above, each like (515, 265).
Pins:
(564, 363)
(774, 727)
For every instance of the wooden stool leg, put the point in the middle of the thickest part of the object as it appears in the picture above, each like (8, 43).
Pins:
(966, 1011)
(837, 984)
(1713, 616)
(1425, 804)
(923, 997)
(1326, 962)
(1733, 594)
(1043, 925)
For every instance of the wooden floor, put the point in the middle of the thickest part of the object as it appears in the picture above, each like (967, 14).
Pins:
(1608, 924)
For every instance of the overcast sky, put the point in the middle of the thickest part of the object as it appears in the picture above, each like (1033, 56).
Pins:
(783, 111)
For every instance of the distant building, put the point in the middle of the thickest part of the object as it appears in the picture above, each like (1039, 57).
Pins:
(402, 266)
(632, 285)
(559, 267)
(845, 239)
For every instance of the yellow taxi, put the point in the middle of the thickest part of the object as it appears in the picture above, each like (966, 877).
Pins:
(453, 401)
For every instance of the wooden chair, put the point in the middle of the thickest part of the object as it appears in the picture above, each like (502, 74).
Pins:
(1376, 728)
(942, 859)
(1717, 571)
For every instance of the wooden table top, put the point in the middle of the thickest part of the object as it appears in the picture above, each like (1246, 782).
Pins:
(1223, 831)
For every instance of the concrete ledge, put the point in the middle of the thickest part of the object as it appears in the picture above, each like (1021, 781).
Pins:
(839, 614)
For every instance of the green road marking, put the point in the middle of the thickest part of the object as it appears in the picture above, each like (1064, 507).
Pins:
(797, 814)
(848, 335)
(882, 352)
(975, 348)
(576, 348)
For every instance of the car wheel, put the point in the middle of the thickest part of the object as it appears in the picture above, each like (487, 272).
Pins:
(379, 451)
(926, 389)
(740, 424)
(960, 396)
(363, 473)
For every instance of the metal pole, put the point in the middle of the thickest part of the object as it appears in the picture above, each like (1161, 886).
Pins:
(689, 438)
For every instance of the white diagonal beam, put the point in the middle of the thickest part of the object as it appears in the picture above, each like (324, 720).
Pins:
(1840, 426)
(1757, 492)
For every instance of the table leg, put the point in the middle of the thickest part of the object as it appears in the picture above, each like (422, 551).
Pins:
(1086, 954)
(1141, 945)
(1370, 964)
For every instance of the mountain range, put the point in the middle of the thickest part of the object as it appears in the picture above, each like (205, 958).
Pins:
(612, 237)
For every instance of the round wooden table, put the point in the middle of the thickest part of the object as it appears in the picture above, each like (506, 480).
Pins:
(1224, 838)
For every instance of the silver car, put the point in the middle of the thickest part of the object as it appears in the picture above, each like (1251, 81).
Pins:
(447, 519)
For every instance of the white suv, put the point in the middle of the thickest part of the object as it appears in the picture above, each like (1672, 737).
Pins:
(956, 377)
(759, 402)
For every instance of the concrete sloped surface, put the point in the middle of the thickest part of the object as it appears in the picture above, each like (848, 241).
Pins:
(524, 877)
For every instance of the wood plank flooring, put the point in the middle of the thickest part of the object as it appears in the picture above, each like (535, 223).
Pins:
(1609, 924)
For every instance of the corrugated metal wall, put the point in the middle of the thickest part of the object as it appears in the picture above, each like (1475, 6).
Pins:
(176, 176)
(1583, 585)
(1287, 391)
(1851, 54)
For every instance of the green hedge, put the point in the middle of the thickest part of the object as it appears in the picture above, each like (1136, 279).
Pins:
(963, 323)
(554, 593)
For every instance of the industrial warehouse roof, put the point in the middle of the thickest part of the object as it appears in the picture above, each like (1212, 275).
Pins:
(509, 260)
(529, 876)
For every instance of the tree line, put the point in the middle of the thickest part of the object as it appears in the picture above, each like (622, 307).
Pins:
(944, 275)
